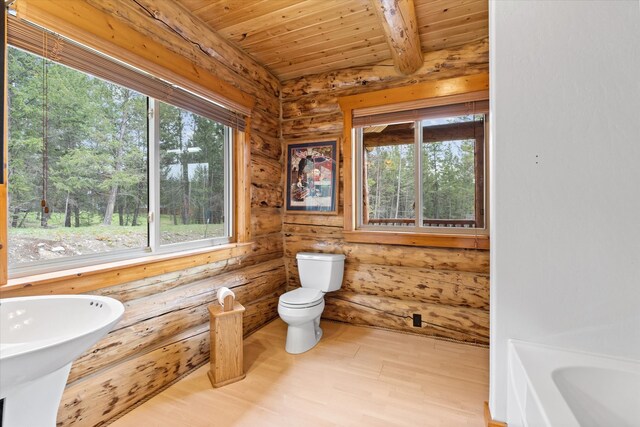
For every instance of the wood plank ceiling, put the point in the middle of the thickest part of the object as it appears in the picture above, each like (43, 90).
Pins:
(293, 38)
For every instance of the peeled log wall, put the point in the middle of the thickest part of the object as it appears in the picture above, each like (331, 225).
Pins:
(165, 329)
(385, 285)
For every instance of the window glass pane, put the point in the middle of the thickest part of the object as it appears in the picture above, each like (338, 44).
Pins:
(95, 162)
(388, 182)
(192, 176)
(449, 170)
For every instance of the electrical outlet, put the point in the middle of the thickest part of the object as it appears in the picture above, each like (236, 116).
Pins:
(417, 320)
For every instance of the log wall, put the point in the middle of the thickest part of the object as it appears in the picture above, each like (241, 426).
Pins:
(385, 285)
(165, 329)
(164, 333)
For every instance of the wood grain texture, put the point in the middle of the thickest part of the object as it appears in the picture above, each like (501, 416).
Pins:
(106, 33)
(464, 241)
(100, 397)
(454, 288)
(162, 335)
(264, 170)
(400, 25)
(87, 279)
(225, 334)
(385, 284)
(266, 195)
(265, 145)
(129, 13)
(355, 376)
(296, 38)
(461, 60)
(242, 179)
(173, 15)
(266, 220)
(165, 332)
(156, 317)
(392, 255)
(453, 87)
(439, 320)
(4, 132)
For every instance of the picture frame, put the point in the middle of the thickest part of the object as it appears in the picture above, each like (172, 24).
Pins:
(315, 188)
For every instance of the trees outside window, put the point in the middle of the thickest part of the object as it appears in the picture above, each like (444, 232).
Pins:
(192, 178)
(82, 144)
(94, 156)
(424, 173)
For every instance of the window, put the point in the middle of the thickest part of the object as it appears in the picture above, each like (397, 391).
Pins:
(425, 175)
(194, 177)
(417, 158)
(106, 161)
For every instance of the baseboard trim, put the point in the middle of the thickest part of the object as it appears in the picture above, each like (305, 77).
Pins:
(488, 420)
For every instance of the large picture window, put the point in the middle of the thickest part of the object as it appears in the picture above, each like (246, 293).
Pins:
(106, 161)
(425, 175)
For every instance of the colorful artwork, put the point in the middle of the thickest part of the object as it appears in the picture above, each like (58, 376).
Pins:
(312, 172)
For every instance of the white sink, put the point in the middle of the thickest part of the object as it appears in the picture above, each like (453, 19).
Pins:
(39, 339)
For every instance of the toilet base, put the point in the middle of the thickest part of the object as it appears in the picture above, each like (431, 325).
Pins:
(302, 338)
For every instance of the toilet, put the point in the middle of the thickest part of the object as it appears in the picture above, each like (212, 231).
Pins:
(301, 308)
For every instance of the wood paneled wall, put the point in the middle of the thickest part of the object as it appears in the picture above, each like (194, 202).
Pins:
(165, 329)
(164, 332)
(385, 285)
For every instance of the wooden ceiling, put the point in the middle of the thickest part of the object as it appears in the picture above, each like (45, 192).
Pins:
(293, 38)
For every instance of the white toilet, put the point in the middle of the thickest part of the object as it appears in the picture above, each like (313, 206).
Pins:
(301, 308)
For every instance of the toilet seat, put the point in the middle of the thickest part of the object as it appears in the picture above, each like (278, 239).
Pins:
(302, 298)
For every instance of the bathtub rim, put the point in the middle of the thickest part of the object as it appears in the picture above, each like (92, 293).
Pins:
(538, 375)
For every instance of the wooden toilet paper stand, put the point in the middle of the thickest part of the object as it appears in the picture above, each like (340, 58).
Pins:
(226, 343)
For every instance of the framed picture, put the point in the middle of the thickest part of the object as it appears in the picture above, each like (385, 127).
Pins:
(311, 184)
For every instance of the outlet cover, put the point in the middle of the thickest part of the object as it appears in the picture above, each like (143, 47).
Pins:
(417, 320)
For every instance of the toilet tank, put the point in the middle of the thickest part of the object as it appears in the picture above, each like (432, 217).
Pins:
(321, 271)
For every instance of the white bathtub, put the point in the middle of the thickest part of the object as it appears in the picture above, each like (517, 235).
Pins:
(553, 387)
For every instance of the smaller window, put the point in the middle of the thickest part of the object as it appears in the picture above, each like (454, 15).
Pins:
(417, 161)
(422, 170)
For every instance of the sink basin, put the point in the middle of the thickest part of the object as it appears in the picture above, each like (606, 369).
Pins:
(40, 337)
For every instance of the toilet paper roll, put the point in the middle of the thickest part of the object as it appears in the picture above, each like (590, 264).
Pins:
(223, 293)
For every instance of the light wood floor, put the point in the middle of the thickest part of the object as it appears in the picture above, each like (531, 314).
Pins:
(354, 377)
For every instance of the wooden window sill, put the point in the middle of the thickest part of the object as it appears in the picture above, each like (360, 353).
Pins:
(86, 279)
(465, 241)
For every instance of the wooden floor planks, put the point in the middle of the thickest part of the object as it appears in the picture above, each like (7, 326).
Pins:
(356, 376)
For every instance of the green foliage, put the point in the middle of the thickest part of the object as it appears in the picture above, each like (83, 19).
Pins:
(96, 159)
(96, 141)
(192, 167)
(448, 179)
(391, 181)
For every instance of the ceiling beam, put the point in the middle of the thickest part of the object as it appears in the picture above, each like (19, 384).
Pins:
(400, 25)
(174, 16)
(78, 20)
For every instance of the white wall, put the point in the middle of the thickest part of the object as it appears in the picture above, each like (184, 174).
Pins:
(565, 240)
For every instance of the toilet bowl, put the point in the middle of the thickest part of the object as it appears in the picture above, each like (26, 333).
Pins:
(302, 308)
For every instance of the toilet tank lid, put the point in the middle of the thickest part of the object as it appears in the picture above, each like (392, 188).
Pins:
(320, 257)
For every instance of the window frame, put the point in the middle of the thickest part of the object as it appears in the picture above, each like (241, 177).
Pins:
(155, 241)
(236, 210)
(79, 279)
(419, 201)
(427, 94)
